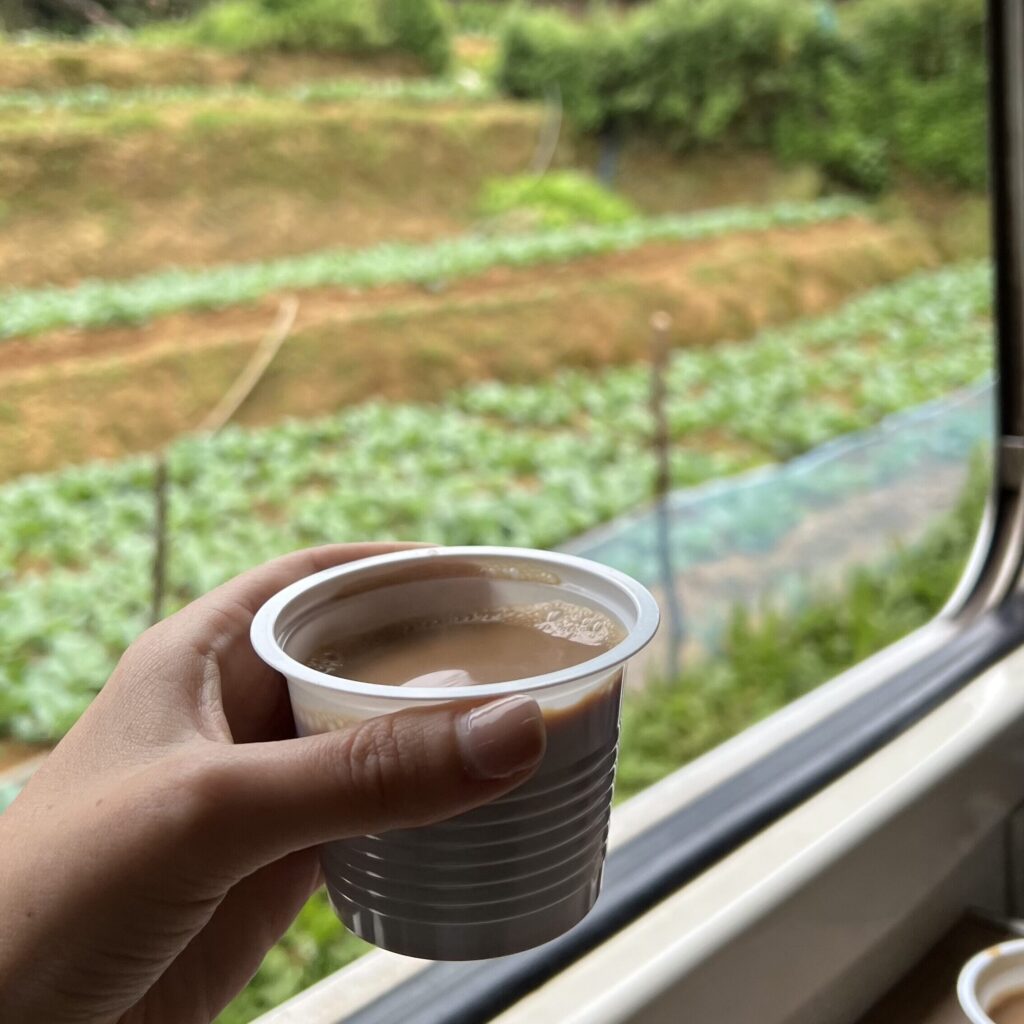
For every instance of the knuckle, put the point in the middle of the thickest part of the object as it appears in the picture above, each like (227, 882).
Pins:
(198, 790)
(381, 760)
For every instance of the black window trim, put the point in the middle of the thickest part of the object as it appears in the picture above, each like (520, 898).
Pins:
(983, 623)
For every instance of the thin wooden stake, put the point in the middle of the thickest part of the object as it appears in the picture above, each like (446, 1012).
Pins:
(661, 325)
(254, 370)
(214, 423)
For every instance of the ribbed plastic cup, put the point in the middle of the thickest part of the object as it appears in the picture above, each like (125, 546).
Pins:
(525, 868)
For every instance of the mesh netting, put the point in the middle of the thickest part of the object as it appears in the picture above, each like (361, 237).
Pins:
(774, 533)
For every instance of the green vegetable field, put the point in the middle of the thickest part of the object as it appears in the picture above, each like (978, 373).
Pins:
(498, 464)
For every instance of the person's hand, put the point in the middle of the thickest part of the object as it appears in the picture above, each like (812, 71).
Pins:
(167, 842)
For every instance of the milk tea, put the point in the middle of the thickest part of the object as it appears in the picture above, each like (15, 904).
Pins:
(1009, 1009)
(490, 646)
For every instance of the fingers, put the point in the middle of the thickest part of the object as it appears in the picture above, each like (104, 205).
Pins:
(212, 635)
(221, 959)
(227, 610)
(260, 802)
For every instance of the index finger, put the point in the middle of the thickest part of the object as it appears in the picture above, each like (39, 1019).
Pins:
(217, 626)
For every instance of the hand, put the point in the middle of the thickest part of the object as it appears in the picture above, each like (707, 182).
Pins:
(169, 840)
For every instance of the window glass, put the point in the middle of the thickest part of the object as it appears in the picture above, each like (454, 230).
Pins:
(696, 288)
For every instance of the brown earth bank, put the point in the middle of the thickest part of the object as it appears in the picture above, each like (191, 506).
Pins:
(70, 396)
(208, 182)
(52, 66)
(203, 184)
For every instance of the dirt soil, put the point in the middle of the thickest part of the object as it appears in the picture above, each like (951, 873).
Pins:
(72, 395)
(55, 65)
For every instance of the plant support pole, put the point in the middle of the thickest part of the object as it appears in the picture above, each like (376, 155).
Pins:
(661, 324)
(214, 423)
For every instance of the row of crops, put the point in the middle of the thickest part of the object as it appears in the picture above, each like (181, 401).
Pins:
(496, 464)
(89, 98)
(99, 303)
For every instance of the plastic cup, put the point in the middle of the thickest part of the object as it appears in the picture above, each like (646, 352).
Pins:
(525, 868)
(990, 978)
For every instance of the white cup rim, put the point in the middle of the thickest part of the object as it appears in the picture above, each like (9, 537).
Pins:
(967, 983)
(264, 640)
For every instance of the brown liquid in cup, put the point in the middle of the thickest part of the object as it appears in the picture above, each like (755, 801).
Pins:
(1009, 1009)
(488, 647)
(521, 870)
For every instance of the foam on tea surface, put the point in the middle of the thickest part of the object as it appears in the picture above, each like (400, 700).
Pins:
(490, 646)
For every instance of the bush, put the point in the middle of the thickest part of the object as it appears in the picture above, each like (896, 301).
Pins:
(556, 199)
(896, 84)
(910, 94)
(545, 52)
(690, 72)
(419, 27)
(479, 16)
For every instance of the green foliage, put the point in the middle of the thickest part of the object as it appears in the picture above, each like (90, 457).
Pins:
(317, 944)
(771, 658)
(94, 98)
(555, 199)
(895, 84)
(499, 465)
(98, 303)
(545, 54)
(688, 72)
(910, 95)
(420, 27)
(482, 17)
(343, 26)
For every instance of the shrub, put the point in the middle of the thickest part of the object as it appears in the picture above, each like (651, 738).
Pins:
(895, 84)
(545, 51)
(329, 25)
(910, 94)
(479, 16)
(556, 199)
(419, 27)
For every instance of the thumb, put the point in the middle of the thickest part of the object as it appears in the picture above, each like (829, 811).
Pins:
(266, 800)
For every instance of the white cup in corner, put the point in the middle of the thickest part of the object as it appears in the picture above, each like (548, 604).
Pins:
(988, 978)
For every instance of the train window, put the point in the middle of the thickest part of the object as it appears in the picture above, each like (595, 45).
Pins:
(702, 290)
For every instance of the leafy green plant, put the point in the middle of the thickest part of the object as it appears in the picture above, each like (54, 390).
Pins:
(99, 303)
(102, 97)
(344, 26)
(555, 199)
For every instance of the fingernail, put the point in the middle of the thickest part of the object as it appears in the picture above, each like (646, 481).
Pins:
(502, 738)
